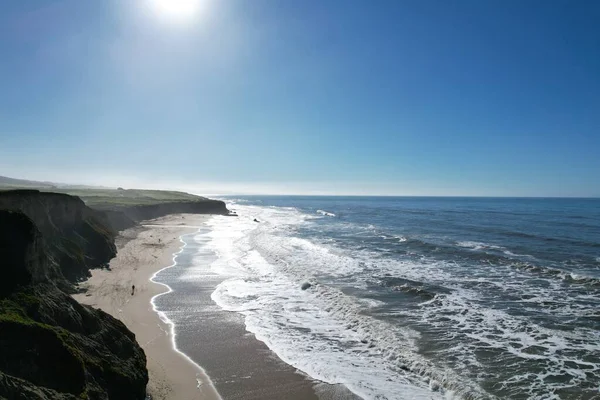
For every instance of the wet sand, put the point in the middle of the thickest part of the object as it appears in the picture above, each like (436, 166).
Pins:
(141, 252)
(241, 367)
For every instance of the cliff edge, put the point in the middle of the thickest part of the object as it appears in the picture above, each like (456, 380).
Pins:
(77, 237)
(121, 217)
(52, 347)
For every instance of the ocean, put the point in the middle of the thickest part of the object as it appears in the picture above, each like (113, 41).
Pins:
(413, 297)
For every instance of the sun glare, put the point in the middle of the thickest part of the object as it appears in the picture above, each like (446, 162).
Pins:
(178, 10)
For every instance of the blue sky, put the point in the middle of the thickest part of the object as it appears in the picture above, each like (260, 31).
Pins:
(308, 97)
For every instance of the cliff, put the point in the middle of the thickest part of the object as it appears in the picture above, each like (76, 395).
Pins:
(22, 257)
(52, 347)
(125, 216)
(77, 237)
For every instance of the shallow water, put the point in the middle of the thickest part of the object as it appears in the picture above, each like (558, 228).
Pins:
(419, 297)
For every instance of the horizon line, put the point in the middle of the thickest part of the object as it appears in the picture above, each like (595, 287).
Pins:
(403, 195)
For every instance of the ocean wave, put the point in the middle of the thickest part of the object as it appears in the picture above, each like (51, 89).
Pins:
(542, 238)
(237, 201)
(232, 202)
(469, 313)
(479, 245)
(566, 276)
(419, 289)
(516, 341)
(399, 238)
(492, 251)
(325, 213)
(511, 254)
(373, 358)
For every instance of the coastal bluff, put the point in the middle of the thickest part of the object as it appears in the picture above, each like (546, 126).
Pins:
(121, 217)
(119, 208)
(52, 347)
(76, 238)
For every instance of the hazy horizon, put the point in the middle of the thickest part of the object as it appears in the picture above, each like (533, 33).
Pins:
(216, 189)
(333, 98)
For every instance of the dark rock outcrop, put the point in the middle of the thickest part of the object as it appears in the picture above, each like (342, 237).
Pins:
(52, 342)
(52, 347)
(78, 238)
(22, 258)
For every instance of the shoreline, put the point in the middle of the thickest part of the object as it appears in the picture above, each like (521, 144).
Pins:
(143, 251)
(165, 319)
(189, 361)
(241, 366)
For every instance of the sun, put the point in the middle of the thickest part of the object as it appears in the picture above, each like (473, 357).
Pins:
(178, 10)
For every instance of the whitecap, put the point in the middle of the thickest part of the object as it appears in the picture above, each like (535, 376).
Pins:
(265, 265)
(326, 213)
(478, 245)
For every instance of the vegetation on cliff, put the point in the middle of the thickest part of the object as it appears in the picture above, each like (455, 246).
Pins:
(121, 208)
(52, 347)
(50, 343)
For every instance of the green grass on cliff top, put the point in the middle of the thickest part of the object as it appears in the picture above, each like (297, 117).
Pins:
(106, 198)
(102, 197)
(129, 197)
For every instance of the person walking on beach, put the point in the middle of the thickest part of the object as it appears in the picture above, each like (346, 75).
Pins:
(132, 289)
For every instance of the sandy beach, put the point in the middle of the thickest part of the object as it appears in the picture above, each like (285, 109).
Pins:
(240, 366)
(142, 251)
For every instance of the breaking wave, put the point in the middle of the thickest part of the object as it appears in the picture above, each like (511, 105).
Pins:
(402, 316)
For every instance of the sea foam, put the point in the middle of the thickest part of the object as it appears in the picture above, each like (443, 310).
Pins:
(265, 269)
(460, 318)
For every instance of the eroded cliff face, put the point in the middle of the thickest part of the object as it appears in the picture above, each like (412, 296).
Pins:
(52, 347)
(143, 212)
(77, 237)
(123, 217)
(22, 258)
